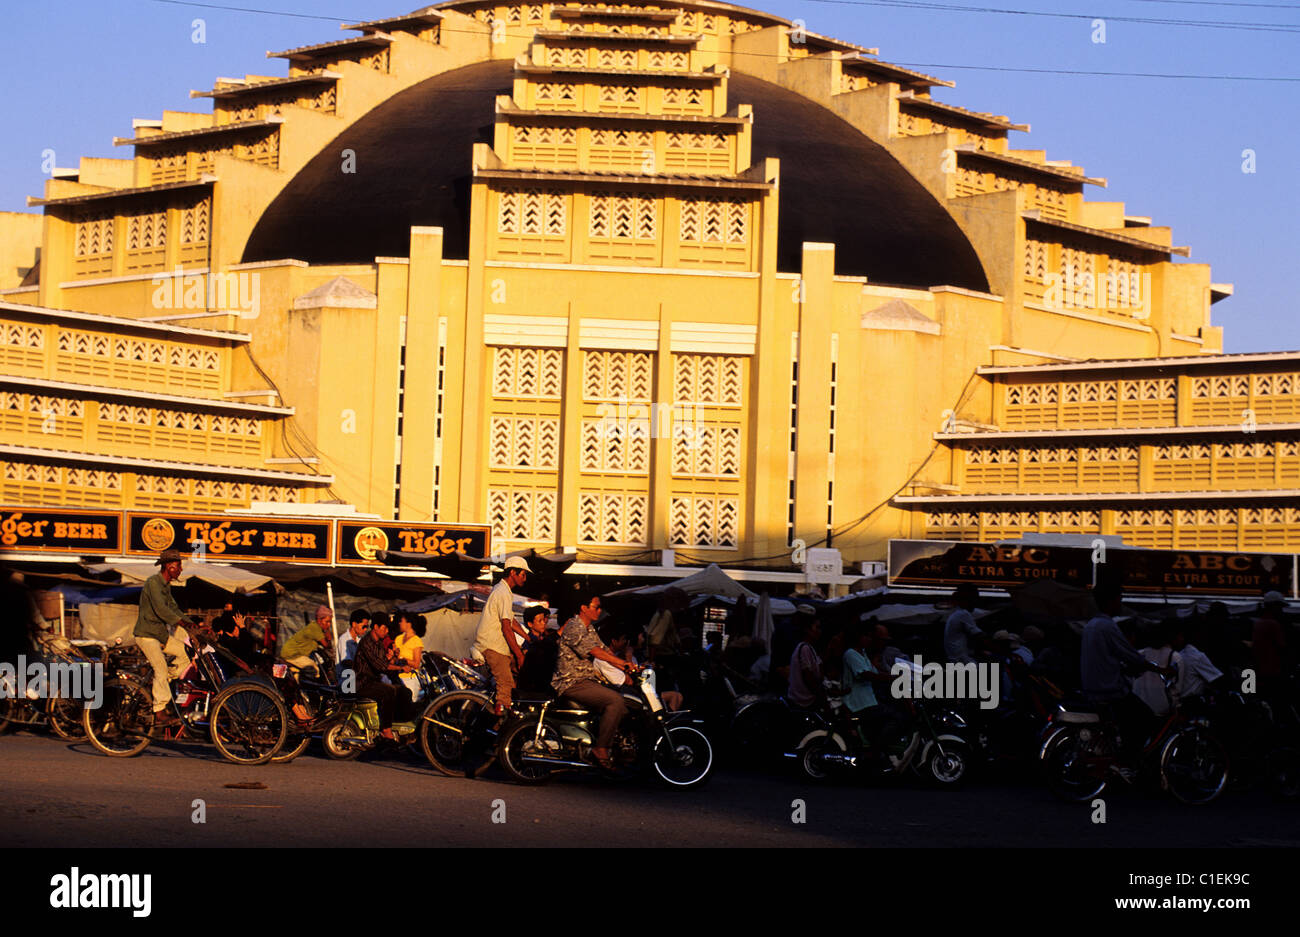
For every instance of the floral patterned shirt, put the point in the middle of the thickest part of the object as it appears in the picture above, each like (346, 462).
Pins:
(573, 663)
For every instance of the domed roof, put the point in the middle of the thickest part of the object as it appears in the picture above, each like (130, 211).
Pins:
(412, 167)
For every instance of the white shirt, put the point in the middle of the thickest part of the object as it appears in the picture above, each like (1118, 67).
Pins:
(1195, 671)
(960, 625)
(1148, 687)
(489, 637)
(612, 674)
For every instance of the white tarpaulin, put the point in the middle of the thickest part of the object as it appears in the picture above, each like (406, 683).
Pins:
(450, 632)
(230, 578)
(108, 622)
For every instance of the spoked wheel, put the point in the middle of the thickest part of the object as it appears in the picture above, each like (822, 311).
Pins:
(1194, 766)
(65, 719)
(948, 767)
(248, 723)
(813, 752)
(521, 741)
(455, 733)
(342, 741)
(120, 725)
(689, 760)
(1072, 765)
(294, 745)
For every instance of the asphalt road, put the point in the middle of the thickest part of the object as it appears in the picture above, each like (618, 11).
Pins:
(68, 795)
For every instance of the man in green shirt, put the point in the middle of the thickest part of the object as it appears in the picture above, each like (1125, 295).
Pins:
(297, 649)
(159, 614)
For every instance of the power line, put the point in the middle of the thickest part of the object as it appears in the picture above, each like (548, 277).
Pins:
(1002, 11)
(922, 5)
(1094, 74)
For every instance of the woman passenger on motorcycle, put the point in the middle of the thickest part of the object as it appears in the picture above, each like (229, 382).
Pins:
(577, 678)
(410, 651)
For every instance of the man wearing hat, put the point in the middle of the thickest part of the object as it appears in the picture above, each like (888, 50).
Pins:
(158, 615)
(297, 650)
(494, 640)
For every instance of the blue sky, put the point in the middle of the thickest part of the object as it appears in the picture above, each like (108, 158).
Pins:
(75, 73)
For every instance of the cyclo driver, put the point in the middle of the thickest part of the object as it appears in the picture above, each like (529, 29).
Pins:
(576, 676)
(158, 633)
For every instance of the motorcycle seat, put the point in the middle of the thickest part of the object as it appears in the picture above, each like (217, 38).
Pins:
(533, 696)
(1077, 718)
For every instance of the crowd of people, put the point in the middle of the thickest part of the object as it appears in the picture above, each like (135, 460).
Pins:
(1136, 668)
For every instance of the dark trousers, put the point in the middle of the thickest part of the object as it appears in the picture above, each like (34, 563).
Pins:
(611, 703)
(385, 694)
(1134, 719)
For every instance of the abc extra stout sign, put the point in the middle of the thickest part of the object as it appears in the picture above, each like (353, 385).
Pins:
(940, 563)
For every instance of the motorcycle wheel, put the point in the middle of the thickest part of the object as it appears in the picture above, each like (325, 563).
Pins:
(293, 746)
(447, 723)
(948, 768)
(340, 742)
(248, 723)
(813, 752)
(1071, 767)
(1282, 769)
(520, 740)
(1194, 766)
(120, 725)
(65, 719)
(690, 760)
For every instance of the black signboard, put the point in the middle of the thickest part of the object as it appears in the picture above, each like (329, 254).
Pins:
(939, 563)
(227, 537)
(56, 530)
(359, 540)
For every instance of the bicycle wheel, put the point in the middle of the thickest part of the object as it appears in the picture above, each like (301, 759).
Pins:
(1075, 766)
(120, 725)
(294, 745)
(456, 733)
(248, 723)
(65, 719)
(1194, 766)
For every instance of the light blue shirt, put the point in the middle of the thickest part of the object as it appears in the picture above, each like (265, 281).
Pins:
(861, 695)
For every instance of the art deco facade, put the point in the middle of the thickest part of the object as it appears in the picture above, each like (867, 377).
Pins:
(625, 278)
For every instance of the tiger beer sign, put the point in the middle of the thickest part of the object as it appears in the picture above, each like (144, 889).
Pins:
(49, 530)
(224, 537)
(359, 541)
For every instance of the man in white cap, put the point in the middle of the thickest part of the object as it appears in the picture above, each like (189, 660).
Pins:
(497, 629)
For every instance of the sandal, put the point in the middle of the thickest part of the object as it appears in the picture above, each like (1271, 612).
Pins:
(603, 760)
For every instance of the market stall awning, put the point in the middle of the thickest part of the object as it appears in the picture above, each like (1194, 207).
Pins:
(223, 576)
(709, 581)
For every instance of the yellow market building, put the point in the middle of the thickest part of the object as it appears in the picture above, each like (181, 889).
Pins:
(625, 279)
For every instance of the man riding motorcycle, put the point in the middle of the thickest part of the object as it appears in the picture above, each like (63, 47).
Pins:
(576, 676)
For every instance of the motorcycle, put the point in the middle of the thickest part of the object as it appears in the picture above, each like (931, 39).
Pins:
(932, 745)
(356, 729)
(548, 736)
